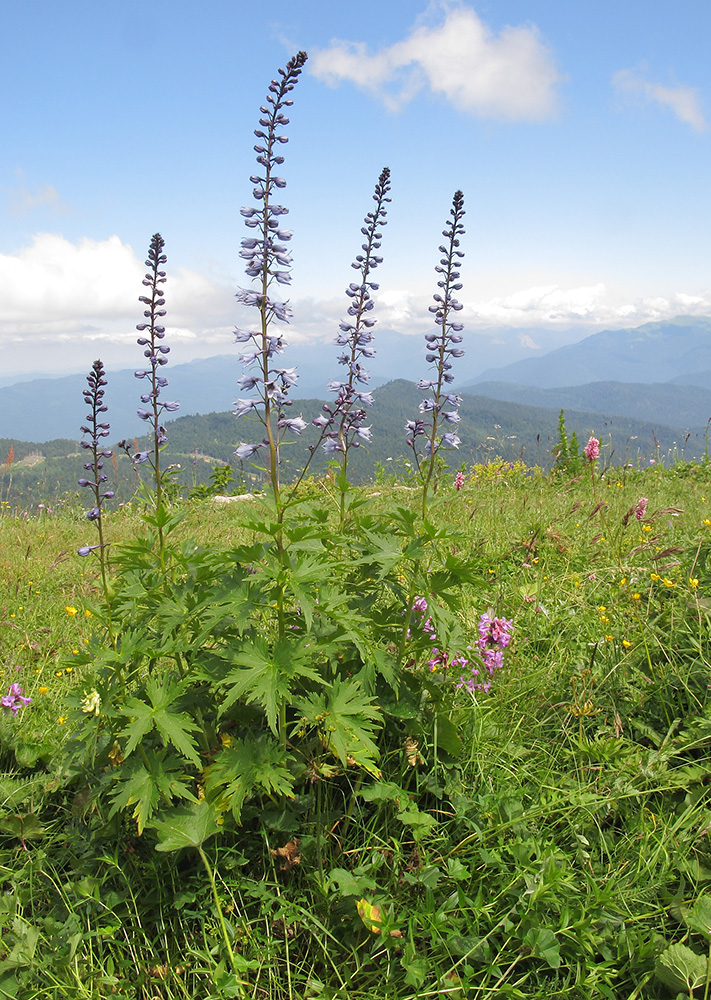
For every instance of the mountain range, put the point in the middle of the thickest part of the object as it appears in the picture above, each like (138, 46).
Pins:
(659, 373)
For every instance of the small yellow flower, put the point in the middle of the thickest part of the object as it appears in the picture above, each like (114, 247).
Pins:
(693, 581)
(604, 618)
(601, 608)
(626, 643)
(622, 582)
(654, 576)
(68, 670)
(70, 610)
(609, 638)
(87, 613)
(707, 522)
(646, 527)
(58, 673)
(668, 582)
(62, 719)
(636, 597)
(43, 690)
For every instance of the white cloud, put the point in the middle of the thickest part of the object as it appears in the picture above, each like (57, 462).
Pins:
(510, 75)
(22, 201)
(63, 303)
(684, 102)
(61, 299)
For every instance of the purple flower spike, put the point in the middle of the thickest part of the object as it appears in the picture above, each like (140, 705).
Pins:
(155, 352)
(267, 261)
(356, 336)
(440, 351)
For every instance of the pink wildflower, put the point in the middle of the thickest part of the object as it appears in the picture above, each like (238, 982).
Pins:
(641, 508)
(459, 481)
(14, 699)
(592, 449)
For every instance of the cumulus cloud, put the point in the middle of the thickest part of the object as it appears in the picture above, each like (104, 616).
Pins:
(682, 101)
(510, 75)
(60, 298)
(550, 306)
(65, 303)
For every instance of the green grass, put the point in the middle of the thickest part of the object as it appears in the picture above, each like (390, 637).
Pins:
(544, 841)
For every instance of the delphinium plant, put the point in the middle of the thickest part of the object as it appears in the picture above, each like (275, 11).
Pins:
(442, 347)
(152, 334)
(97, 429)
(268, 262)
(342, 423)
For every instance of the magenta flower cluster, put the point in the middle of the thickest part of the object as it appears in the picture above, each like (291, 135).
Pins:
(592, 449)
(14, 700)
(477, 667)
(641, 508)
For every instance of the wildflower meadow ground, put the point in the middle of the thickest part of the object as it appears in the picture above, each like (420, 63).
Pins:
(443, 737)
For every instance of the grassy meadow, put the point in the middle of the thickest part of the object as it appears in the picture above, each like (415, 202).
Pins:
(546, 839)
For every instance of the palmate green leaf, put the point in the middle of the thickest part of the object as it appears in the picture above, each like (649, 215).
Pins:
(174, 727)
(346, 720)
(245, 768)
(266, 674)
(143, 787)
(186, 826)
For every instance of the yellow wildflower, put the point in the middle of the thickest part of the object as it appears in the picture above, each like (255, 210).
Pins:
(70, 610)
(668, 582)
(636, 597)
(43, 690)
(655, 576)
(693, 581)
(626, 643)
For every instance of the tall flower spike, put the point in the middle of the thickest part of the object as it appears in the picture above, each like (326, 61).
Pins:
(97, 429)
(442, 347)
(342, 424)
(267, 263)
(152, 332)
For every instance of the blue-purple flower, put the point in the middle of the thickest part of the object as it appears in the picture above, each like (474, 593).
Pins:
(268, 262)
(341, 424)
(442, 347)
(97, 428)
(153, 332)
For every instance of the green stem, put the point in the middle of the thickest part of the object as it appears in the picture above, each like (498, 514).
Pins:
(221, 917)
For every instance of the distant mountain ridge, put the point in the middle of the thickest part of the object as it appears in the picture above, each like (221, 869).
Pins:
(654, 352)
(602, 373)
(660, 403)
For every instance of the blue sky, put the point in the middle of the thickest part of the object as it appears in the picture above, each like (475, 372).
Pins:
(579, 134)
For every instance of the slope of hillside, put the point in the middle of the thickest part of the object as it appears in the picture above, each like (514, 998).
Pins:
(660, 403)
(654, 352)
